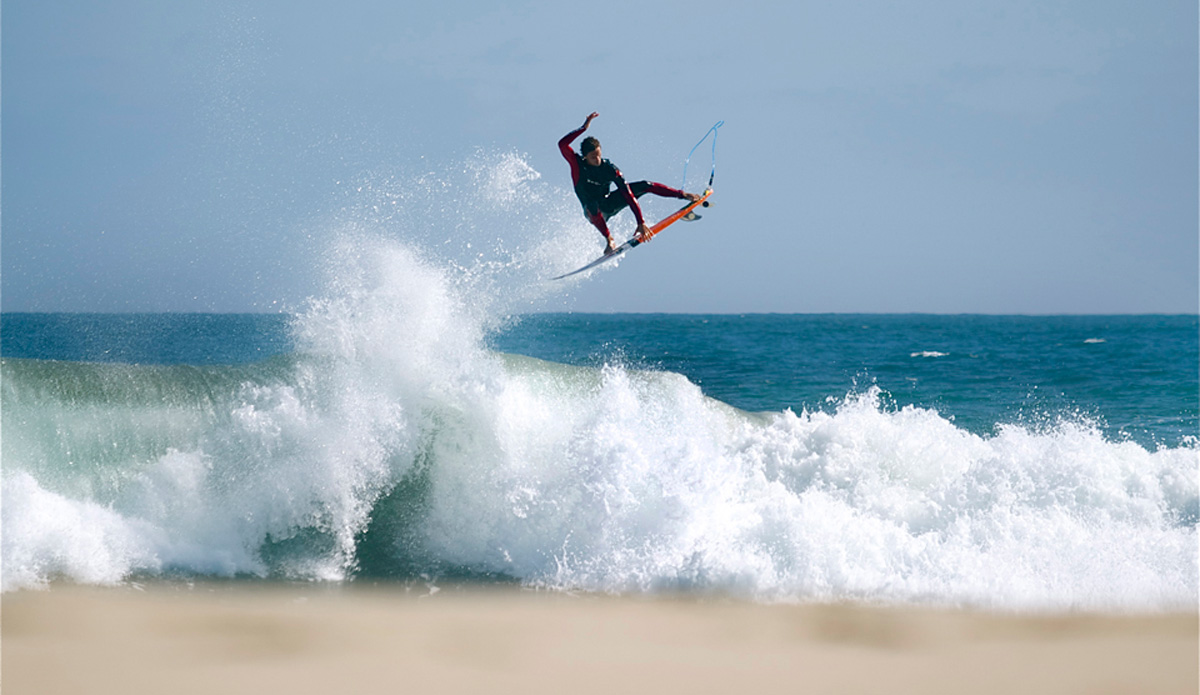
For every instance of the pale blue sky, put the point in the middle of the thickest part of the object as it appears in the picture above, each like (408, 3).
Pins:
(947, 156)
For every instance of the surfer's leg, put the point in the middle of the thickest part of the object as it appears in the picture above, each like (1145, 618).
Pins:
(641, 188)
(597, 219)
(613, 203)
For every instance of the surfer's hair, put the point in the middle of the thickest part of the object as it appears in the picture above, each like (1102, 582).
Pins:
(588, 144)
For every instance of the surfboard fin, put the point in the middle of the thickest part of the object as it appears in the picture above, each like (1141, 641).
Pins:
(690, 217)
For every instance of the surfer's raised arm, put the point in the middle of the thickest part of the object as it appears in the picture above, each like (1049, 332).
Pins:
(564, 145)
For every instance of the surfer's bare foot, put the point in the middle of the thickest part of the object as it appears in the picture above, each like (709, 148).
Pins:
(611, 248)
(693, 197)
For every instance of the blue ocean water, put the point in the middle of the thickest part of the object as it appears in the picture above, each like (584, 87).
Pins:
(1133, 377)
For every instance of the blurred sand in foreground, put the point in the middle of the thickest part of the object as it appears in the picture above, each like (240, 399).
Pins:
(230, 638)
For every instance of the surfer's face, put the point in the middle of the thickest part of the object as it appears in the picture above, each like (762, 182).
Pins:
(593, 158)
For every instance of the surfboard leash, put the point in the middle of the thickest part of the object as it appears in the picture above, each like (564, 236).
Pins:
(713, 132)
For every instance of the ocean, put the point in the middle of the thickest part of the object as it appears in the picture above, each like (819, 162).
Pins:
(390, 432)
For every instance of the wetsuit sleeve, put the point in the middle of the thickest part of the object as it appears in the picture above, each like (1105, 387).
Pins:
(564, 147)
(628, 195)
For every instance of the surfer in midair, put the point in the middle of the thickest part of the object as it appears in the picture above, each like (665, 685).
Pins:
(593, 177)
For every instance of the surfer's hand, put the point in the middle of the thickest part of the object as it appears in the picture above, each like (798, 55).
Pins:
(588, 121)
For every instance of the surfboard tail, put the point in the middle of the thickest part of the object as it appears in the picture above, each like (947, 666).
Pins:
(677, 215)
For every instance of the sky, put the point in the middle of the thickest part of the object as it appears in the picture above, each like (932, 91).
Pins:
(945, 156)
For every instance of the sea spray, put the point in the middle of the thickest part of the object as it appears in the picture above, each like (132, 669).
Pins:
(494, 226)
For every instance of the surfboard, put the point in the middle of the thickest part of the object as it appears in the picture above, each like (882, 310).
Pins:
(687, 211)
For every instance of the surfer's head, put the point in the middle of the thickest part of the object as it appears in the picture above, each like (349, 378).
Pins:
(590, 149)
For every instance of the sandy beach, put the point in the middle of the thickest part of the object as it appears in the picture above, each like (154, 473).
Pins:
(314, 639)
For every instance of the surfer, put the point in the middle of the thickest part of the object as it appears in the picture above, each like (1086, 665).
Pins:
(593, 175)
